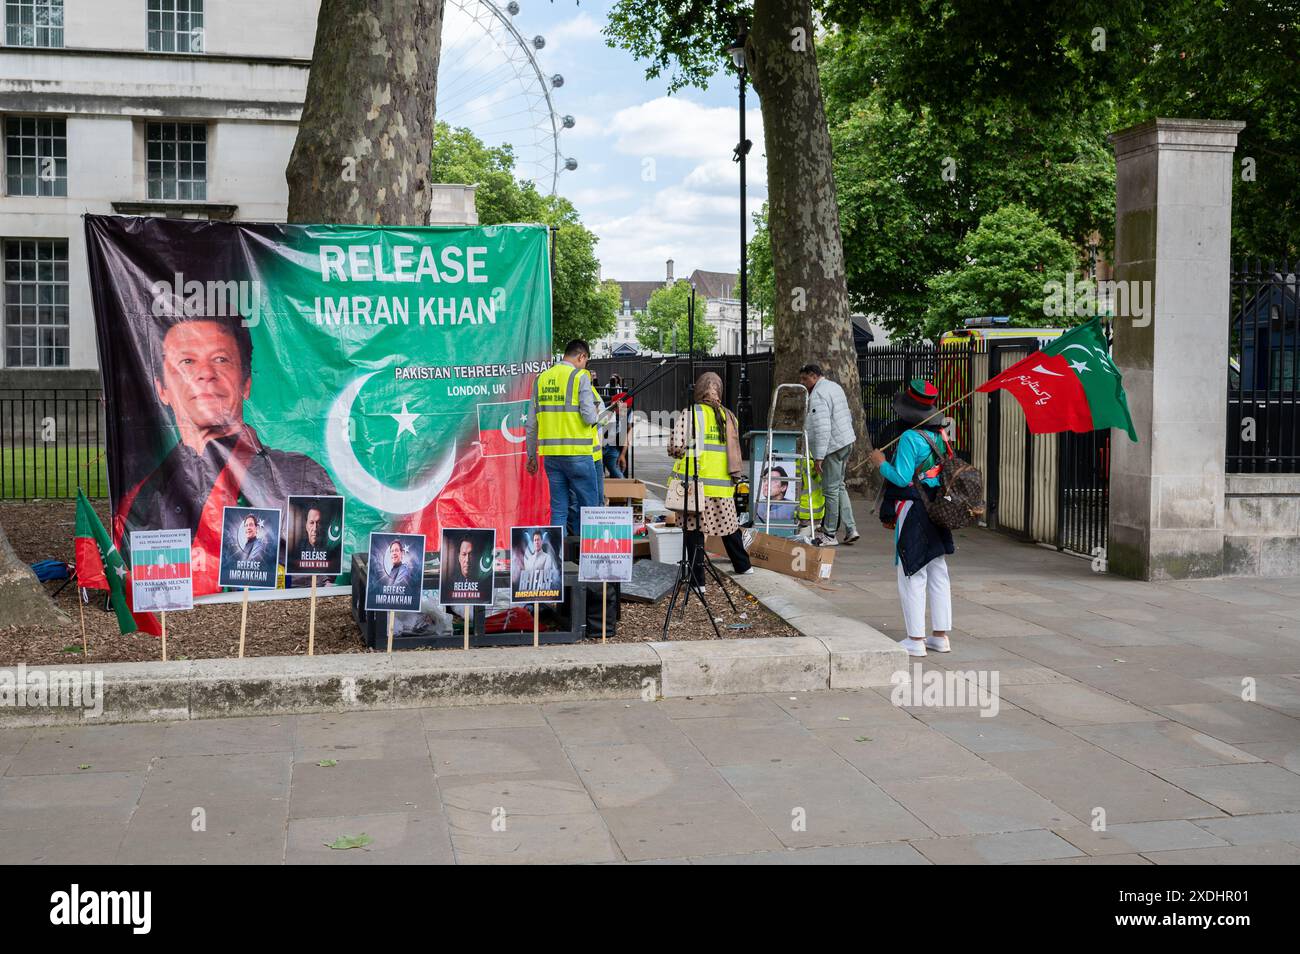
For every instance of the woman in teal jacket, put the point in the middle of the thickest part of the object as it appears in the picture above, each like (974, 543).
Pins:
(920, 547)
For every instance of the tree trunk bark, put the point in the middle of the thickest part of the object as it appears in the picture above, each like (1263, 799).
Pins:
(811, 310)
(364, 142)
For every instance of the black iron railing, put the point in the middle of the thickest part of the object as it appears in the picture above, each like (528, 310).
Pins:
(51, 442)
(1263, 376)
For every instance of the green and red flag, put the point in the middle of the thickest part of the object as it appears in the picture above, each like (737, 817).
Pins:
(100, 567)
(1071, 385)
(503, 428)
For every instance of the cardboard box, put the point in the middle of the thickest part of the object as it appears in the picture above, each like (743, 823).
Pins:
(802, 560)
(621, 489)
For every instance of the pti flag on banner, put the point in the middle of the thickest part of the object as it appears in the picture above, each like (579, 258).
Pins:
(1071, 385)
(100, 567)
(503, 428)
(244, 363)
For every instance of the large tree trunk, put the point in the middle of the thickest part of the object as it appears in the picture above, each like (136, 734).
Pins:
(362, 154)
(811, 310)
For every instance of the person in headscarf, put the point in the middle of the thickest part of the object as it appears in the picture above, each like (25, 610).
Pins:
(920, 547)
(715, 456)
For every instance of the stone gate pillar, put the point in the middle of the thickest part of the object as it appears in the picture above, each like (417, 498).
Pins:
(1173, 224)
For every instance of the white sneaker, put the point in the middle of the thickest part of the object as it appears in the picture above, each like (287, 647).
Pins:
(749, 572)
(824, 541)
(938, 643)
(914, 647)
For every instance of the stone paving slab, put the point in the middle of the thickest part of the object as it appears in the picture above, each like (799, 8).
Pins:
(1115, 694)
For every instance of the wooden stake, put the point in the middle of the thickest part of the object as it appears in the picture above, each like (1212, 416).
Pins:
(390, 631)
(164, 634)
(81, 608)
(604, 590)
(468, 611)
(536, 609)
(311, 623)
(243, 623)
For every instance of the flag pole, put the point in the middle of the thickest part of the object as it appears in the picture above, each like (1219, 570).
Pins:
(923, 420)
(604, 601)
(81, 609)
(311, 622)
(243, 623)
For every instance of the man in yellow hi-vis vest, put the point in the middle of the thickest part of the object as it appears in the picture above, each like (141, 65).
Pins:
(812, 501)
(564, 411)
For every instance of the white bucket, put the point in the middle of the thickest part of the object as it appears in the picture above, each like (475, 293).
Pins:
(665, 543)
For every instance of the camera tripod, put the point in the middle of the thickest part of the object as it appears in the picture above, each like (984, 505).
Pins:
(692, 557)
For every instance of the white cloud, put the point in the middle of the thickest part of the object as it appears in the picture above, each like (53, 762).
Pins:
(580, 28)
(675, 126)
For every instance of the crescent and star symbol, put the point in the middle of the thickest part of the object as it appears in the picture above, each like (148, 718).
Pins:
(362, 484)
(505, 432)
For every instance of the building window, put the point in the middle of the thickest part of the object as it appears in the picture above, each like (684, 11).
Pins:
(176, 26)
(177, 160)
(36, 156)
(36, 303)
(34, 22)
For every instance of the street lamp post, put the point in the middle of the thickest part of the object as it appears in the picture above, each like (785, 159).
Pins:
(744, 404)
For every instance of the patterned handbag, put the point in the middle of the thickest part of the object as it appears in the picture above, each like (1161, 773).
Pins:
(958, 501)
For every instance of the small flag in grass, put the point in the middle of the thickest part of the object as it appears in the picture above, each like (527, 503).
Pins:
(100, 567)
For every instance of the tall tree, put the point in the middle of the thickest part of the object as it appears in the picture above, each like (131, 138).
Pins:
(362, 152)
(690, 38)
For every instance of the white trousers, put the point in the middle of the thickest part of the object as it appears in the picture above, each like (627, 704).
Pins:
(930, 582)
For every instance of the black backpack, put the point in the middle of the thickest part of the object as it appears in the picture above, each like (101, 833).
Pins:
(958, 501)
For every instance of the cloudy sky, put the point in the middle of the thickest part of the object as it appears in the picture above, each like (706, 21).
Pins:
(655, 178)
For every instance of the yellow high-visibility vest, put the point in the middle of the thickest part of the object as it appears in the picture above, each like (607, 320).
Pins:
(561, 432)
(711, 450)
(812, 502)
(596, 453)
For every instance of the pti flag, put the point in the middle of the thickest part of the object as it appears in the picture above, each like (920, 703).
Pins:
(503, 428)
(1071, 385)
(245, 363)
(100, 566)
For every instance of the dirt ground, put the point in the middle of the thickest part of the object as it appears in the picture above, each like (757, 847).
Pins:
(43, 530)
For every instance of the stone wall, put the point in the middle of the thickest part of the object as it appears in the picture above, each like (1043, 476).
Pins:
(1262, 529)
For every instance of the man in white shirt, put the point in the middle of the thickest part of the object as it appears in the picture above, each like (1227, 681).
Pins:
(830, 442)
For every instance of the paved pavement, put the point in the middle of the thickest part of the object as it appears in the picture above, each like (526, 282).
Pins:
(1121, 736)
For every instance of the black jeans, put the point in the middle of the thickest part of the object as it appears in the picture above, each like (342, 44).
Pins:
(693, 540)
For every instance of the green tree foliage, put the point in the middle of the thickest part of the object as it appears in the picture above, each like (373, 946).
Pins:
(583, 306)
(666, 313)
(1005, 263)
(760, 280)
(942, 111)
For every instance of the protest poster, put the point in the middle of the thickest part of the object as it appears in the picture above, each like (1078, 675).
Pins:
(160, 571)
(605, 551)
(250, 547)
(395, 572)
(537, 564)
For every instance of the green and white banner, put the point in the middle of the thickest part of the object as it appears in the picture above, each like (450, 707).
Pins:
(244, 363)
